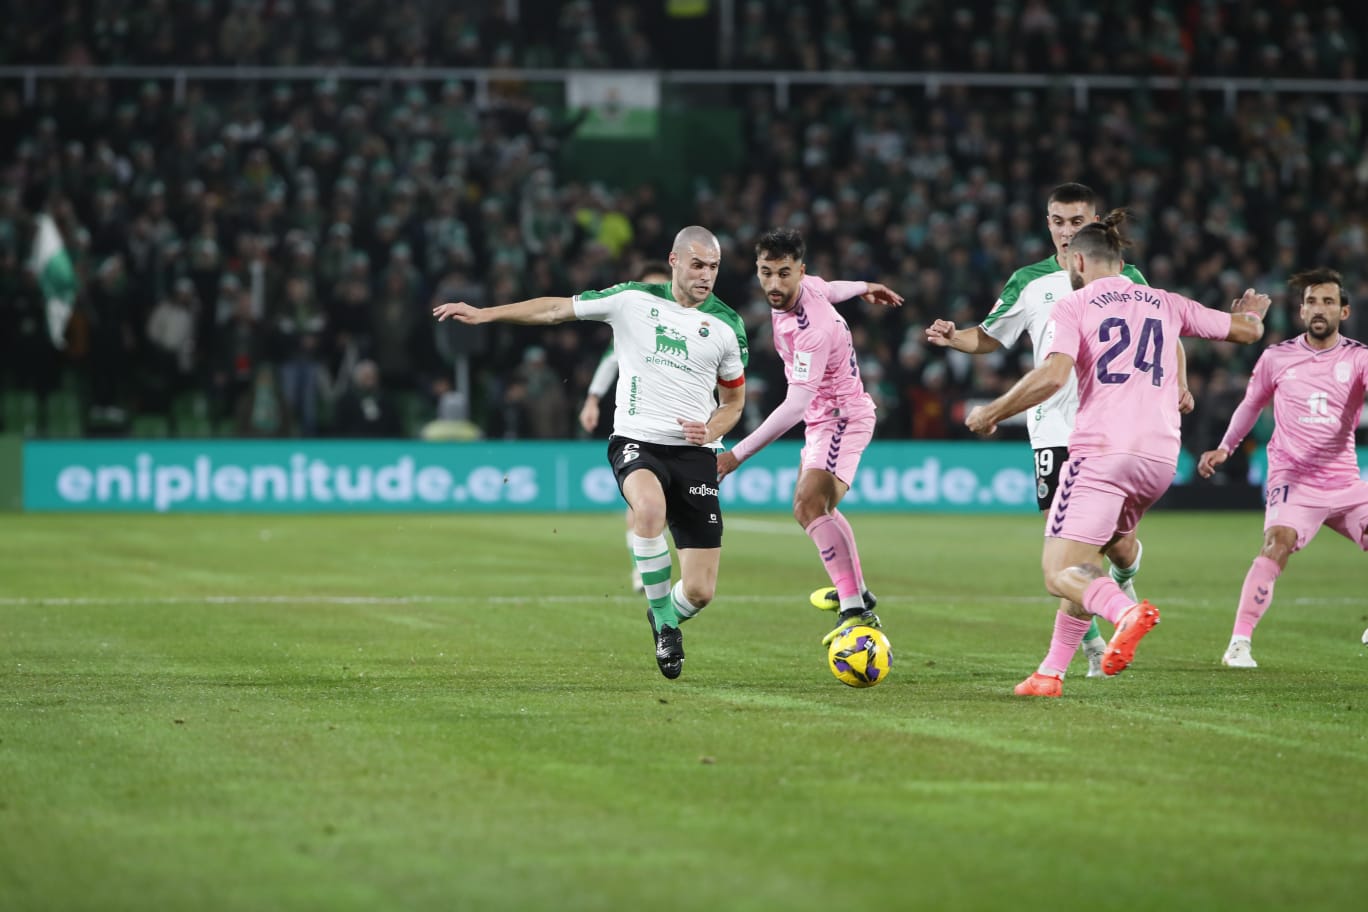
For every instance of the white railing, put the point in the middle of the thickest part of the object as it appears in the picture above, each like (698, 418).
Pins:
(782, 81)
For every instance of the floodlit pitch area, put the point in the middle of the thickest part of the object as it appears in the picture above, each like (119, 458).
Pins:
(464, 713)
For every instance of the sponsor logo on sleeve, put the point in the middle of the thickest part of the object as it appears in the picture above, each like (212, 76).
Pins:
(802, 365)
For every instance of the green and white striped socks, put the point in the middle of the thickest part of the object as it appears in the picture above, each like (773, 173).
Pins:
(652, 556)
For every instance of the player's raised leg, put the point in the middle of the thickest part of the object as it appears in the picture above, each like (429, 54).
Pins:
(697, 581)
(1124, 557)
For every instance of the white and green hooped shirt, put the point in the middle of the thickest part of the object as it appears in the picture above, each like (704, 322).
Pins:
(670, 357)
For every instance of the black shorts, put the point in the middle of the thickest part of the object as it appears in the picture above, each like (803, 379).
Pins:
(1048, 462)
(688, 474)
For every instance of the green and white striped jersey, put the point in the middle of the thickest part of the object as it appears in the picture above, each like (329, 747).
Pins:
(1024, 307)
(671, 357)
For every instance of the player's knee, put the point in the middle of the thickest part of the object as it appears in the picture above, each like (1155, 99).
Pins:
(699, 595)
(1063, 582)
(808, 509)
(1279, 544)
(648, 520)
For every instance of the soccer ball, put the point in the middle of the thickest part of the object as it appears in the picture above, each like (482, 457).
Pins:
(860, 657)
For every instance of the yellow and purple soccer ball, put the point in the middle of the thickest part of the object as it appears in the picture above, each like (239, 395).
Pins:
(860, 657)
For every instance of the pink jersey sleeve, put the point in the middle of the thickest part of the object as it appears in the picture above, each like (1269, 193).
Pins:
(1256, 397)
(837, 292)
(1199, 321)
(789, 413)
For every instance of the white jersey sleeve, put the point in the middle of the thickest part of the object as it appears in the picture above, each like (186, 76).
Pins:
(605, 373)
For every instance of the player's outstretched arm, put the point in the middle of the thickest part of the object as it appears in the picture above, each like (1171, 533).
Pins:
(974, 340)
(534, 312)
(1246, 317)
(882, 295)
(1206, 466)
(1032, 389)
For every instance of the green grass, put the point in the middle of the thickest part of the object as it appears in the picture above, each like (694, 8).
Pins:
(254, 713)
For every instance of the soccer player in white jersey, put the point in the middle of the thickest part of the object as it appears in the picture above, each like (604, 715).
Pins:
(1316, 383)
(652, 272)
(1024, 307)
(677, 344)
(825, 392)
(1115, 336)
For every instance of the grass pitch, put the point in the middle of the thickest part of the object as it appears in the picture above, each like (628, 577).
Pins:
(251, 713)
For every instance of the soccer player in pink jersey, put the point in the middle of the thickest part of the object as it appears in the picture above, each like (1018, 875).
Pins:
(1024, 307)
(1117, 337)
(826, 393)
(1316, 382)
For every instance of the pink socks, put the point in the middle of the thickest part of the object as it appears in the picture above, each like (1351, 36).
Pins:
(1255, 595)
(1105, 599)
(837, 555)
(850, 540)
(1068, 634)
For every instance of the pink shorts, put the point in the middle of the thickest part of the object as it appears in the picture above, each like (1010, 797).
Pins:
(1102, 496)
(835, 445)
(1305, 509)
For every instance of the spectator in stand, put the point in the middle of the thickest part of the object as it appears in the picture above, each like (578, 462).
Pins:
(365, 409)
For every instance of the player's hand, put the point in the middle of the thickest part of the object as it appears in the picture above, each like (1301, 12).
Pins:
(589, 415)
(1252, 303)
(940, 332)
(695, 432)
(882, 294)
(978, 420)
(1186, 403)
(460, 311)
(726, 463)
(1206, 466)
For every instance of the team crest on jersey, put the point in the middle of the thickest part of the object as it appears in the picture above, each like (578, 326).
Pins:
(703, 330)
(1342, 372)
(655, 312)
(671, 342)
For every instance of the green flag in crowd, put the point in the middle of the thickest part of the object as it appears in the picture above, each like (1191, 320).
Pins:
(51, 263)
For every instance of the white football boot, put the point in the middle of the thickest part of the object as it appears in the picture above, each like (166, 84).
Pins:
(1237, 655)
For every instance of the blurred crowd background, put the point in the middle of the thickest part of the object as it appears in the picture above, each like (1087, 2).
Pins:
(259, 257)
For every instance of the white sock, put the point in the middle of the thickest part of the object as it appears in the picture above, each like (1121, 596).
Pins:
(686, 608)
(1127, 572)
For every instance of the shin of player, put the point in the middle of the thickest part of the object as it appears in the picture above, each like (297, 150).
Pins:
(1316, 382)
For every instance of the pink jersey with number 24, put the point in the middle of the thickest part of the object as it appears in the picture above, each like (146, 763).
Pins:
(1123, 338)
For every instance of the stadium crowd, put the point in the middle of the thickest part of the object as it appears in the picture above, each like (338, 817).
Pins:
(258, 258)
